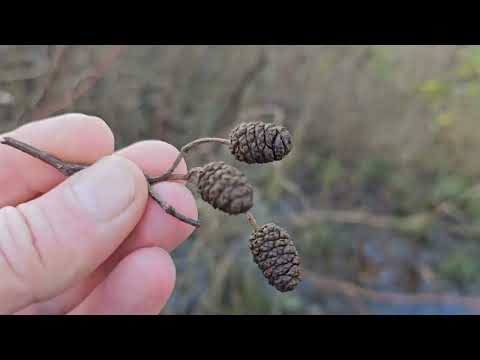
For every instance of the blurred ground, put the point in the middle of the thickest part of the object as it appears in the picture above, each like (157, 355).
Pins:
(381, 192)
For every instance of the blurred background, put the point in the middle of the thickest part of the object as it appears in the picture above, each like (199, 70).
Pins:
(381, 193)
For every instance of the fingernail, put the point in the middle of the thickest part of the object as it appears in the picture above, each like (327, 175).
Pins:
(105, 189)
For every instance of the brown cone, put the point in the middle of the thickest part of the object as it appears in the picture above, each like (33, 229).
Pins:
(225, 188)
(259, 142)
(276, 256)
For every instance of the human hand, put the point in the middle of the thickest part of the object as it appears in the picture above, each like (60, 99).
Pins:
(94, 243)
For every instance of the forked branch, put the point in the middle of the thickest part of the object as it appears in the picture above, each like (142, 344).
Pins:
(69, 169)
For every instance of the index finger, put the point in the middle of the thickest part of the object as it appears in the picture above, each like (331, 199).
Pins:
(72, 137)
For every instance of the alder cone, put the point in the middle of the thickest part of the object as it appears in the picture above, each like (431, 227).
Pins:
(260, 143)
(275, 254)
(225, 188)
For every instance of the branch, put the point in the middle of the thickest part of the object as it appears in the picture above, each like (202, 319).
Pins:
(233, 103)
(169, 209)
(185, 149)
(69, 169)
(44, 107)
(66, 168)
(345, 217)
(354, 291)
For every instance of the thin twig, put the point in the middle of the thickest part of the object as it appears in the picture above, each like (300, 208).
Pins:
(54, 74)
(68, 169)
(183, 151)
(45, 106)
(175, 177)
(251, 220)
(235, 99)
(394, 223)
(353, 290)
(344, 216)
(169, 209)
(64, 167)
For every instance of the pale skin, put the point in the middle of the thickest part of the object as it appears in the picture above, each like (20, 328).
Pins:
(93, 243)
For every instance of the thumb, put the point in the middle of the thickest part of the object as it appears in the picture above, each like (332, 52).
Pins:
(50, 243)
